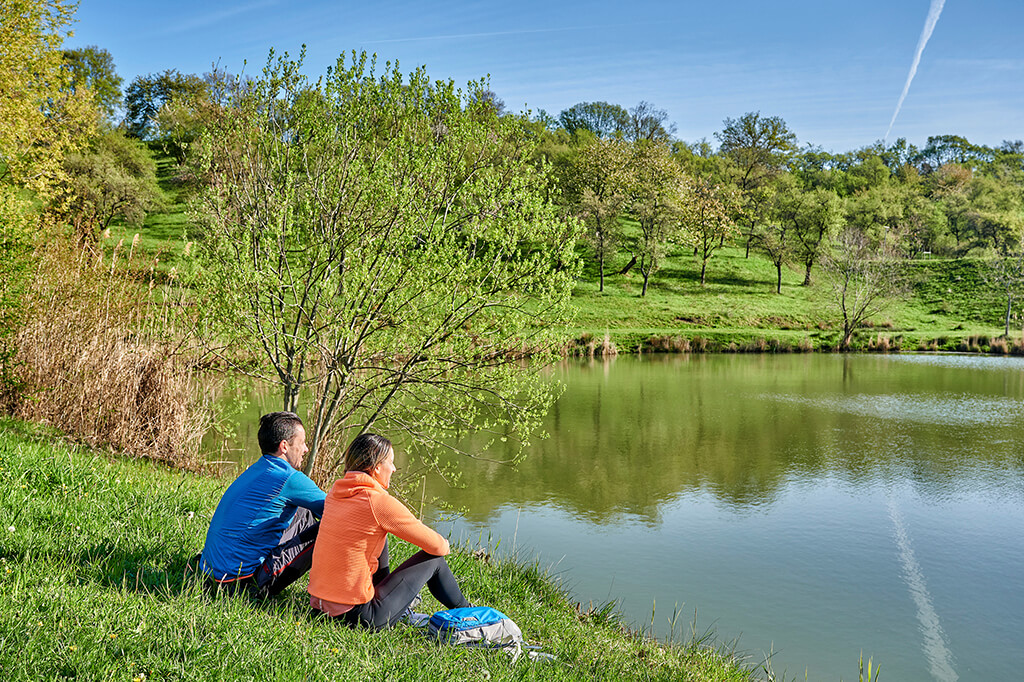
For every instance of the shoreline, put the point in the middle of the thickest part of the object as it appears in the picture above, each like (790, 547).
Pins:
(589, 344)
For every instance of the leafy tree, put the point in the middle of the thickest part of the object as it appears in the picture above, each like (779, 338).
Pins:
(180, 122)
(774, 236)
(41, 117)
(598, 178)
(147, 94)
(865, 278)
(949, 187)
(114, 178)
(707, 219)
(698, 159)
(759, 147)
(995, 214)
(93, 68)
(384, 240)
(41, 120)
(1006, 272)
(647, 122)
(813, 217)
(656, 192)
(946, 149)
(600, 118)
(549, 122)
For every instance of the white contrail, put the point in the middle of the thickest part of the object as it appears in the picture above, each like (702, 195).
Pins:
(929, 26)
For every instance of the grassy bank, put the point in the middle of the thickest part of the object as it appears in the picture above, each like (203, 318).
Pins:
(92, 555)
(950, 308)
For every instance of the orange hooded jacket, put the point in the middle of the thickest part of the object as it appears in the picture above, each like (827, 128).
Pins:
(358, 515)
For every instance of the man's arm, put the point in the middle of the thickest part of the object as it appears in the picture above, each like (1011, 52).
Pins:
(300, 490)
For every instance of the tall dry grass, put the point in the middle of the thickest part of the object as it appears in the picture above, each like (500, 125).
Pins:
(102, 358)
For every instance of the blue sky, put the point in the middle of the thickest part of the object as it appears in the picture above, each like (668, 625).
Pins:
(833, 70)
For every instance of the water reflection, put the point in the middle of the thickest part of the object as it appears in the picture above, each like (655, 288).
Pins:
(744, 429)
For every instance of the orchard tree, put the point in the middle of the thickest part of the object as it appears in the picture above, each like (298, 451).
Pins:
(598, 179)
(707, 219)
(865, 278)
(813, 217)
(384, 240)
(775, 237)
(758, 147)
(1006, 273)
(656, 192)
(181, 121)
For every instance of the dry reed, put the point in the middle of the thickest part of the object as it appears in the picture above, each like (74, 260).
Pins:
(102, 361)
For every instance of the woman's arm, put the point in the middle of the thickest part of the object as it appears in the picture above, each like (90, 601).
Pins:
(393, 517)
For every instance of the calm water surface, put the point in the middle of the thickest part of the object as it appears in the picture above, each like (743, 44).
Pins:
(811, 506)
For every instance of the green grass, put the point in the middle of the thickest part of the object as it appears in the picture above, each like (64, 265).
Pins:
(92, 586)
(162, 234)
(738, 304)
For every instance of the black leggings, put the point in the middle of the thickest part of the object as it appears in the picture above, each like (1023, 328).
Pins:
(393, 592)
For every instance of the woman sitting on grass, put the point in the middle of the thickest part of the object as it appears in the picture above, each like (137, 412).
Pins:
(350, 579)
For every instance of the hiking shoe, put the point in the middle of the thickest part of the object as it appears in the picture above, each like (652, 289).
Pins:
(408, 614)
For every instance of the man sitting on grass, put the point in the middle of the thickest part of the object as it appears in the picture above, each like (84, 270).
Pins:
(262, 533)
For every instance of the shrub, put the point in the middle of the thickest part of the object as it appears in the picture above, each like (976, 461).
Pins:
(99, 358)
(999, 346)
(880, 343)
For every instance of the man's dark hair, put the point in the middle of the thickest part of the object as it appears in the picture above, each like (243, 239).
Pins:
(276, 427)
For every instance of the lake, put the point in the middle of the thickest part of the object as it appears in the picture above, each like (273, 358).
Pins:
(809, 507)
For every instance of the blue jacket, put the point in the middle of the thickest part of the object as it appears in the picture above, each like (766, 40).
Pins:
(253, 514)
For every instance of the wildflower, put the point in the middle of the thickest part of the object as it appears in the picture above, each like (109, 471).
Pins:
(190, 515)
(10, 529)
(113, 636)
(73, 647)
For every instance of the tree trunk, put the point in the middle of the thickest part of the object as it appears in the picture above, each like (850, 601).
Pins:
(600, 269)
(778, 280)
(807, 275)
(629, 266)
(646, 275)
(291, 397)
(1009, 304)
(703, 268)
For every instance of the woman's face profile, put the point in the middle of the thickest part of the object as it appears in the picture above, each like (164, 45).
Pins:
(382, 472)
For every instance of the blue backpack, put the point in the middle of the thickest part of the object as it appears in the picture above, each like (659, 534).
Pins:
(475, 626)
